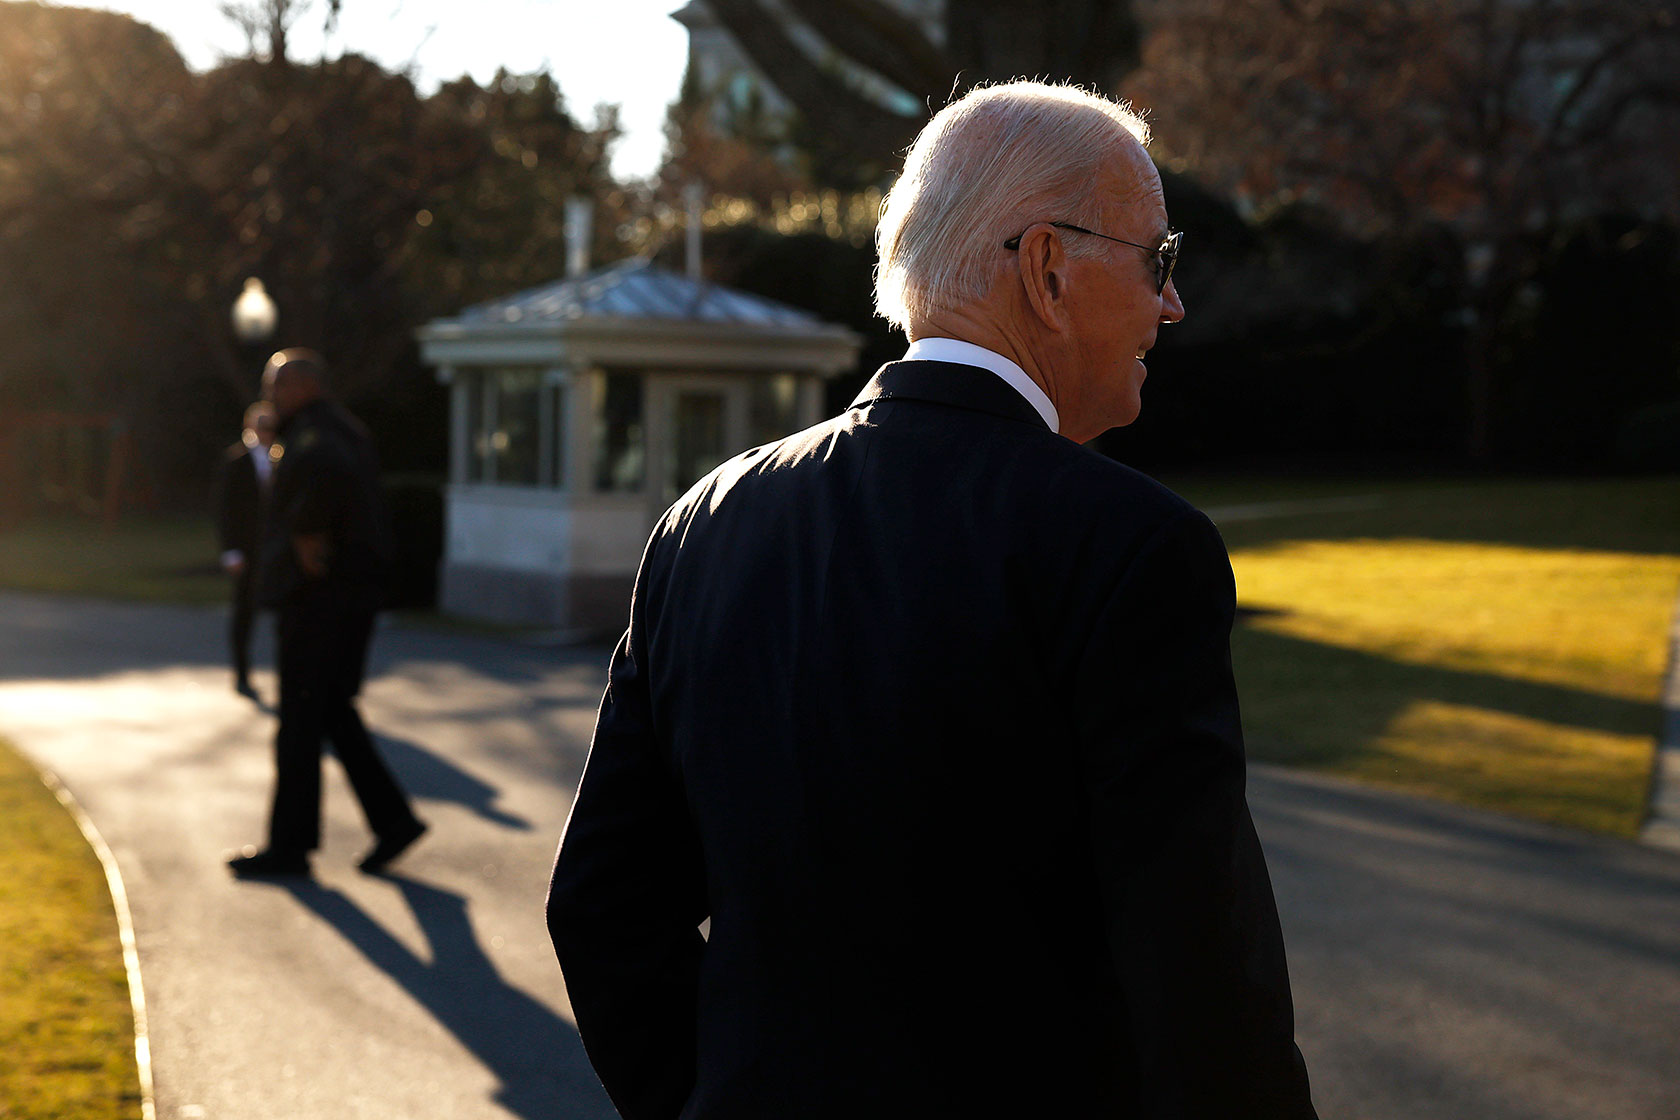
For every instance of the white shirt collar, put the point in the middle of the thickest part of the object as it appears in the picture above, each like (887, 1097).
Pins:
(260, 461)
(968, 354)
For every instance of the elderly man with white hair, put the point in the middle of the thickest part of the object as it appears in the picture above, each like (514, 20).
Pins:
(918, 785)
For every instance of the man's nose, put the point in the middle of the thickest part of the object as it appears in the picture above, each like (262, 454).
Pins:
(1172, 308)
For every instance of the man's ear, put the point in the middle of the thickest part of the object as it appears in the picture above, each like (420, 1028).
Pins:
(1043, 268)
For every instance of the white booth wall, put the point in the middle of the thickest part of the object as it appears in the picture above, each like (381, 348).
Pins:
(557, 476)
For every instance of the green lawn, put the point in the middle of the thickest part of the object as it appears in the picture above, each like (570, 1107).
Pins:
(66, 1024)
(164, 559)
(1498, 643)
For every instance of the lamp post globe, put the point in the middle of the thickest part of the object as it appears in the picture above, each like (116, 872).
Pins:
(254, 314)
(254, 318)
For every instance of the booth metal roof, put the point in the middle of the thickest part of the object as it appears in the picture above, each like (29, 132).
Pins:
(635, 290)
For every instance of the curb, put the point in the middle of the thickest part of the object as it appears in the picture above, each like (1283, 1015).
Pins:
(1662, 820)
(125, 932)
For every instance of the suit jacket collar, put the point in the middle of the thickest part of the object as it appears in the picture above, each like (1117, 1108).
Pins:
(949, 384)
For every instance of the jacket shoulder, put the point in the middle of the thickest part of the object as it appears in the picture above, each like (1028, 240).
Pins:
(1084, 484)
(711, 488)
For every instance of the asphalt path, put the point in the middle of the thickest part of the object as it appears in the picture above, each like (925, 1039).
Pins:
(1447, 963)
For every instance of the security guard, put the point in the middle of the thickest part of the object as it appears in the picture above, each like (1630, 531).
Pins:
(324, 554)
(240, 493)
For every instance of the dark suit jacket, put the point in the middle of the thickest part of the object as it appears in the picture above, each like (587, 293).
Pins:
(326, 482)
(931, 711)
(238, 503)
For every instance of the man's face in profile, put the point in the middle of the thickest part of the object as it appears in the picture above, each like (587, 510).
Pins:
(285, 389)
(1117, 309)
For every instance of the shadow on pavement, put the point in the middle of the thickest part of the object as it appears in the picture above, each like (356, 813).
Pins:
(1503, 969)
(1599, 895)
(47, 637)
(536, 1055)
(424, 774)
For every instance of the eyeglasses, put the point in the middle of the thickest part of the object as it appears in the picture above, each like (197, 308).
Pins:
(1166, 255)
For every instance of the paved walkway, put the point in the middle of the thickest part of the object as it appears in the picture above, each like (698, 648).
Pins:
(1447, 963)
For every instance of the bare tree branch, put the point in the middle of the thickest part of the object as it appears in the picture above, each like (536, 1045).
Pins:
(1613, 52)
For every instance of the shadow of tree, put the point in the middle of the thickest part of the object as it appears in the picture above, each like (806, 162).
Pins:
(1308, 703)
(535, 1054)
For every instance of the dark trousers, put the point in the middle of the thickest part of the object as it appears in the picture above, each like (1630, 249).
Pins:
(244, 614)
(323, 654)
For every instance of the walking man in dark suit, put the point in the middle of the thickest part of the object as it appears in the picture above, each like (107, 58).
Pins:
(324, 555)
(929, 710)
(241, 490)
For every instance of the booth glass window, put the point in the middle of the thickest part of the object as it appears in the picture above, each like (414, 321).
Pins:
(699, 437)
(772, 408)
(477, 428)
(511, 425)
(517, 431)
(620, 439)
(554, 467)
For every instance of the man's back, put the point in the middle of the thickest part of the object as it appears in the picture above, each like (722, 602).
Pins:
(326, 484)
(915, 687)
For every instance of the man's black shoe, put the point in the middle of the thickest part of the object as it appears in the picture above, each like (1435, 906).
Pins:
(390, 847)
(269, 864)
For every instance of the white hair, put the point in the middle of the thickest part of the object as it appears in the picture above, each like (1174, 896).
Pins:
(985, 167)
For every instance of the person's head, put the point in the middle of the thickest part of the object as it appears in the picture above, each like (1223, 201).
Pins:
(975, 242)
(260, 423)
(294, 378)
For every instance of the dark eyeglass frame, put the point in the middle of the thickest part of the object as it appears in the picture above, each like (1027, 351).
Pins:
(1166, 253)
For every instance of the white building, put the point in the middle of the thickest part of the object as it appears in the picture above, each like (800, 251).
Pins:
(722, 72)
(581, 409)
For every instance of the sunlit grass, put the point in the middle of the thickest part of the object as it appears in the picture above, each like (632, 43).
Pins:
(1466, 641)
(66, 1023)
(1591, 620)
(1585, 777)
(165, 559)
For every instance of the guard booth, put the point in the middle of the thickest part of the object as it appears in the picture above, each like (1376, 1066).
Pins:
(582, 409)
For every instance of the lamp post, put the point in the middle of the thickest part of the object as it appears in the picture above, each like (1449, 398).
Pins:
(254, 315)
(1479, 258)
